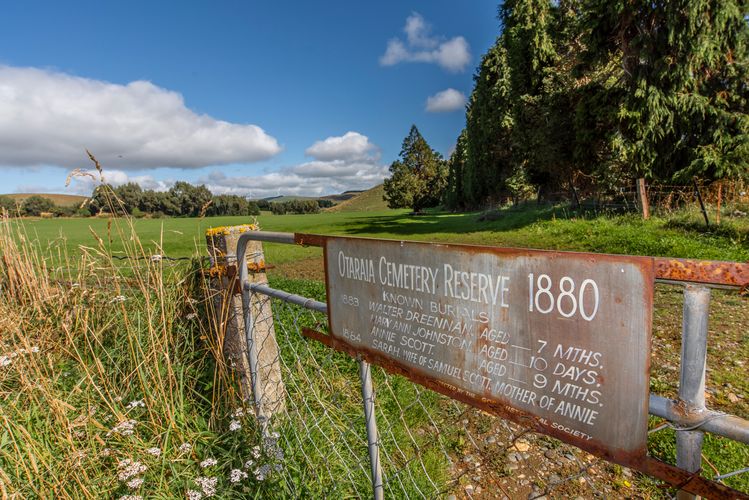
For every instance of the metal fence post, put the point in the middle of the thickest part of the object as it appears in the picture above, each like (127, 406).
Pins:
(373, 438)
(692, 378)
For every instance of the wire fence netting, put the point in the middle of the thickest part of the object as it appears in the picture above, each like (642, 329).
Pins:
(430, 445)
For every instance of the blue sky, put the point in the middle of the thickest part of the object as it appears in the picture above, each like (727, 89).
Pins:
(253, 98)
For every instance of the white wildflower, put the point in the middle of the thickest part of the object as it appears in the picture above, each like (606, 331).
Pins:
(5, 361)
(156, 258)
(207, 484)
(35, 349)
(238, 413)
(208, 462)
(135, 483)
(118, 299)
(105, 452)
(129, 469)
(131, 497)
(124, 428)
(262, 472)
(191, 316)
(155, 451)
(234, 425)
(135, 404)
(256, 452)
(118, 398)
(275, 435)
(194, 495)
(237, 475)
(185, 448)
(249, 463)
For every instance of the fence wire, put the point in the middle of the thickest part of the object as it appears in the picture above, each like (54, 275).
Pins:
(430, 445)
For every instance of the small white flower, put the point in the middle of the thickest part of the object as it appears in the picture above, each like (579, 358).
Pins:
(118, 398)
(185, 448)
(131, 497)
(118, 299)
(35, 349)
(237, 475)
(194, 495)
(155, 451)
(5, 361)
(156, 258)
(135, 483)
(124, 428)
(235, 425)
(207, 484)
(238, 413)
(262, 472)
(256, 452)
(105, 452)
(275, 435)
(135, 404)
(208, 462)
(249, 463)
(129, 469)
(191, 316)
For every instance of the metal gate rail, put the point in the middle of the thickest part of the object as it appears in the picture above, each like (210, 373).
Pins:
(687, 414)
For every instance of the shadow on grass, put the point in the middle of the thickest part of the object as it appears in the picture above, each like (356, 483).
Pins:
(724, 230)
(460, 223)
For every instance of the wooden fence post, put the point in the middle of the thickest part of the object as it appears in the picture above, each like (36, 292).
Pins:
(642, 199)
(227, 302)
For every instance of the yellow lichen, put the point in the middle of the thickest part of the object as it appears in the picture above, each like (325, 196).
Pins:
(226, 230)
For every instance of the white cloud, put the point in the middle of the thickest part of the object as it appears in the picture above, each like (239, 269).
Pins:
(85, 182)
(445, 101)
(342, 163)
(50, 118)
(452, 55)
(346, 168)
(349, 146)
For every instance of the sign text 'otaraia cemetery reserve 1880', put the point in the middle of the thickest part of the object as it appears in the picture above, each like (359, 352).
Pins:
(560, 336)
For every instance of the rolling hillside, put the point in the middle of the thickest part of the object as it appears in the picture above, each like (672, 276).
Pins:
(367, 201)
(63, 200)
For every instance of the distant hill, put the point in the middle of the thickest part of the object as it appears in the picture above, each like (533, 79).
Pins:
(335, 198)
(283, 199)
(62, 200)
(366, 201)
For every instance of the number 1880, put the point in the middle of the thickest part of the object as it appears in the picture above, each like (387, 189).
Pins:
(541, 297)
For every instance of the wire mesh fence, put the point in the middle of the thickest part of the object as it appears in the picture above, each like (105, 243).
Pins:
(430, 446)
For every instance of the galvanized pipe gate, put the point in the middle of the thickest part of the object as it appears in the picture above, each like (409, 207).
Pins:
(688, 414)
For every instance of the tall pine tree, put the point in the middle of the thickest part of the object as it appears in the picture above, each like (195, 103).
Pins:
(419, 178)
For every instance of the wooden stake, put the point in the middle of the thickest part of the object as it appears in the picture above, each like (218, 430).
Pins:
(642, 199)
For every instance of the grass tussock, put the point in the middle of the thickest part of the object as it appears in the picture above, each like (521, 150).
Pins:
(111, 382)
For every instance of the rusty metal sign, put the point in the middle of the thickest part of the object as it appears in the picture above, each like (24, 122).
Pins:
(560, 340)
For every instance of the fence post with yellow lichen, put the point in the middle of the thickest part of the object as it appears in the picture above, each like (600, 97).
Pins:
(222, 245)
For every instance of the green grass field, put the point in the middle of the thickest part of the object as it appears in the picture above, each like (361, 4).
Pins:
(534, 227)
(100, 351)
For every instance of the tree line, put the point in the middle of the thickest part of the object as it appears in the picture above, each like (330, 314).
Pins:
(597, 93)
(182, 200)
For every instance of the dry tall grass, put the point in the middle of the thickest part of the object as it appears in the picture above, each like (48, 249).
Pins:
(109, 385)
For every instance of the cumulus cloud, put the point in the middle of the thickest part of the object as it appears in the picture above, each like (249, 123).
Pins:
(85, 182)
(446, 101)
(50, 118)
(341, 163)
(420, 46)
(350, 146)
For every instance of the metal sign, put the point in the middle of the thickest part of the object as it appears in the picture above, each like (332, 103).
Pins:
(558, 339)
